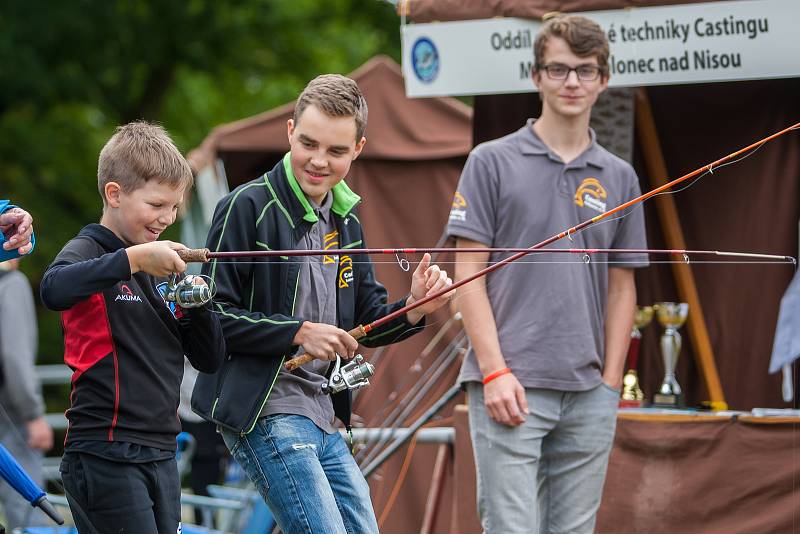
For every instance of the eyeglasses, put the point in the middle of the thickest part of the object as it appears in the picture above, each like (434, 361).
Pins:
(585, 73)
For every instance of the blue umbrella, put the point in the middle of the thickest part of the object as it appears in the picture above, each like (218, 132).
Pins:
(18, 479)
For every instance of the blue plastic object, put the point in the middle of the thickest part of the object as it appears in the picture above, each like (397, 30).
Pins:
(18, 479)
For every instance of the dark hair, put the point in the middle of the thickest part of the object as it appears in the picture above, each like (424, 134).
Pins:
(337, 96)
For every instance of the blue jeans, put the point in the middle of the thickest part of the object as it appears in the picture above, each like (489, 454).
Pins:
(546, 475)
(307, 477)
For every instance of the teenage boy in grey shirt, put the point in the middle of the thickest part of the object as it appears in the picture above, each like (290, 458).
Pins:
(548, 340)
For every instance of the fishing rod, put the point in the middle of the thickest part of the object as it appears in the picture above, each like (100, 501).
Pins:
(393, 399)
(418, 393)
(361, 331)
(205, 255)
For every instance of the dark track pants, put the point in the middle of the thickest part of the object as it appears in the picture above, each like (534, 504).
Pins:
(108, 497)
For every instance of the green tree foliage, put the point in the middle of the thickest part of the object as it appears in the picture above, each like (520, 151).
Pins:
(70, 72)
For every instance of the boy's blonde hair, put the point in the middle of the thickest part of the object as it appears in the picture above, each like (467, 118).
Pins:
(584, 36)
(336, 96)
(138, 152)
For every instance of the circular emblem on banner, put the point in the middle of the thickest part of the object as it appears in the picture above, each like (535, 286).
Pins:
(425, 59)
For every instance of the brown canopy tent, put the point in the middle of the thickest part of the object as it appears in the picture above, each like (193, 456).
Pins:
(441, 10)
(406, 177)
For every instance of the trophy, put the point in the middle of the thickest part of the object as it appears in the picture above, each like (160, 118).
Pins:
(671, 315)
(632, 394)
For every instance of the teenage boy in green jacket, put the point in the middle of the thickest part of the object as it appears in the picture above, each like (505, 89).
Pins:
(277, 424)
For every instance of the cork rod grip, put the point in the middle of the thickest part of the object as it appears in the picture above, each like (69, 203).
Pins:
(357, 333)
(194, 255)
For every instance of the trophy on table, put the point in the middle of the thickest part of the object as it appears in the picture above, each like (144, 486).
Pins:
(632, 395)
(671, 315)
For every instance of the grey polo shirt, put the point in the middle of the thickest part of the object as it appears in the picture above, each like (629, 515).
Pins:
(299, 392)
(549, 308)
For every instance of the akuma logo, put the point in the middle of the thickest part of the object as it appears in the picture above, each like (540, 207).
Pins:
(345, 271)
(127, 295)
(590, 194)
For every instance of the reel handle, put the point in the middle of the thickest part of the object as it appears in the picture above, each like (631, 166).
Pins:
(357, 333)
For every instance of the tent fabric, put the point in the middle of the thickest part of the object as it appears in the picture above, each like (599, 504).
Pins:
(446, 10)
(702, 477)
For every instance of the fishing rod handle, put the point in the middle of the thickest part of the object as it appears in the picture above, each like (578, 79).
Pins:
(357, 333)
(194, 255)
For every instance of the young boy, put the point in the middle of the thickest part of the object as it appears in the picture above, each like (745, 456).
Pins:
(126, 343)
(279, 425)
(548, 344)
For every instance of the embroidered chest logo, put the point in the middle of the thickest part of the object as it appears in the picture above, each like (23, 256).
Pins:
(591, 194)
(330, 241)
(345, 271)
(127, 295)
(458, 210)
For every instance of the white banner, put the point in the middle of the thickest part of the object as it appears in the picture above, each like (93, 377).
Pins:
(691, 43)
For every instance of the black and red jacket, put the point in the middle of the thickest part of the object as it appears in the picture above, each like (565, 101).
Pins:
(124, 343)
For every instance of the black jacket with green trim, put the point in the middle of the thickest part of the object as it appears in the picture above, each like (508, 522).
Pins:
(255, 301)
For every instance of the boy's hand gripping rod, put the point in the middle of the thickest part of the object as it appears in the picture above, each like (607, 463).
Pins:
(204, 255)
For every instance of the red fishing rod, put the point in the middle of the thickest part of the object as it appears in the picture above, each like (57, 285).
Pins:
(362, 330)
(206, 255)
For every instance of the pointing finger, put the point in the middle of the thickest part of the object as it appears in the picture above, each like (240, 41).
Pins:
(423, 264)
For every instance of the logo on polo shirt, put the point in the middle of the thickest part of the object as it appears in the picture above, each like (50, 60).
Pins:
(591, 194)
(457, 211)
(127, 295)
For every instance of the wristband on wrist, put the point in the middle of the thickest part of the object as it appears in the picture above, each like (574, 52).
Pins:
(491, 376)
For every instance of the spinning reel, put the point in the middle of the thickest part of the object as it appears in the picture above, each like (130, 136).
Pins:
(186, 293)
(353, 375)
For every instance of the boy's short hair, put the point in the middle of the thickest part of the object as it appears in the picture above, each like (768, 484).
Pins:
(584, 36)
(138, 152)
(336, 96)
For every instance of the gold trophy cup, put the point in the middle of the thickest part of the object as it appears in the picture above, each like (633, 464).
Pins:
(671, 315)
(632, 395)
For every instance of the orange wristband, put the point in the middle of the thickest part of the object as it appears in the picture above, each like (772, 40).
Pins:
(492, 376)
